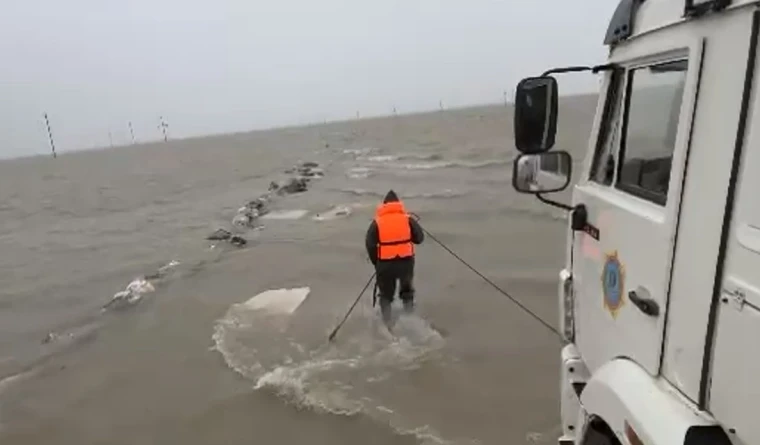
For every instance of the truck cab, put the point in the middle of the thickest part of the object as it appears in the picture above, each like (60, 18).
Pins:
(659, 299)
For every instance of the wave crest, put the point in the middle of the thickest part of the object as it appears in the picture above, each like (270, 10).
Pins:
(444, 194)
(455, 164)
(358, 173)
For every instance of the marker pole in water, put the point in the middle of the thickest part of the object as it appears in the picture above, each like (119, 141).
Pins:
(50, 136)
(110, 138)
(163, 126)
(505, 98)
(132, 132)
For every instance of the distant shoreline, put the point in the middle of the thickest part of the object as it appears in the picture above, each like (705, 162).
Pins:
(361, 119)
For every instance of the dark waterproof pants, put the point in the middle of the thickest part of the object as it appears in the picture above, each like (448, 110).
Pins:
(390, 271)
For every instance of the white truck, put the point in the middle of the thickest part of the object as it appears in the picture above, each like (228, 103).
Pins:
(660, 296)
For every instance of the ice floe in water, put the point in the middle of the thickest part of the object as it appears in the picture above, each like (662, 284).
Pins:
(283, 301)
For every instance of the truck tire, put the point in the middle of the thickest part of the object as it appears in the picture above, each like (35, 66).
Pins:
(599, 433)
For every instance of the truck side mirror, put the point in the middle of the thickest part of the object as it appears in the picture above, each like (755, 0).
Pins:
(542, 172)
(535, 124)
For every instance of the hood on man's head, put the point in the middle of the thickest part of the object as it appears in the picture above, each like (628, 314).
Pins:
(390, 197)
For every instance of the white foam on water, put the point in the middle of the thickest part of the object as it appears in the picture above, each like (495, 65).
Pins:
(286, 214)
(358, 173)
(358, 152)
(132, 294)
(428, 165)
(294, 383)
(321, 381)
(383, 158)
(454, 164)
(170, 265)
(336, 378)
(340, 211)
(283, 301)
(443, 194)
(9, 381)
(140, 286)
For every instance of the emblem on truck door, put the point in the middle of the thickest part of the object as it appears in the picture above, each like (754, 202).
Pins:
(613, 283)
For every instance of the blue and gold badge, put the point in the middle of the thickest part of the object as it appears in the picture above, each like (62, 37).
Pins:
(613, 283)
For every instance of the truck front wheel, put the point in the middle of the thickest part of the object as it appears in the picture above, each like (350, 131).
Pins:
(599, 433)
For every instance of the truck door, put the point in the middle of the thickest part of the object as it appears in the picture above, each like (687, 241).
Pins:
(730, 386)
(631, 191)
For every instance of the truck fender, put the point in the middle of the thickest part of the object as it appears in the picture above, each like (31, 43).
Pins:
(622, 393)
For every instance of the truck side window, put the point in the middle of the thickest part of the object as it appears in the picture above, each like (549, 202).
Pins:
(603, 165)
(653, 109)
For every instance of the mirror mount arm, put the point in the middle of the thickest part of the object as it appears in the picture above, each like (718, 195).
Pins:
(553, 203)
(580, 69)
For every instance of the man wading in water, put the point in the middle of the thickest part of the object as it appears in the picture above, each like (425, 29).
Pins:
(390, 244)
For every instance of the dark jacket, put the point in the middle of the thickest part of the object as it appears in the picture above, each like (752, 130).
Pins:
(371, 240)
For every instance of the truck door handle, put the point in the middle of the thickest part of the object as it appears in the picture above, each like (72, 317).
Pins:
(640, 298)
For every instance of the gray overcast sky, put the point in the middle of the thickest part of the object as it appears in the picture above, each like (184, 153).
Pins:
(233, 65)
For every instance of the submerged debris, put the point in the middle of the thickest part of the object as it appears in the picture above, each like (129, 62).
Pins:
(260, 204)
(294, 185)
(307, 169)
(163, 270)
(311, 172)
(138, 287)
(237, 240)
(54, 336)
(132, 294)
(247, 217)
(219, 235)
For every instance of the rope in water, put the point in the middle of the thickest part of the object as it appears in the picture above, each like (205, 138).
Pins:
(498, 288)
(494, 285)
(332, 335)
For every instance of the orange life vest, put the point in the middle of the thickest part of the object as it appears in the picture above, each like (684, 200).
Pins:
(393, 231)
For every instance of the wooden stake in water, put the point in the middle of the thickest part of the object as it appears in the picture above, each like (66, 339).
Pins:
(50, 135)
(163, 126)
(132, 132)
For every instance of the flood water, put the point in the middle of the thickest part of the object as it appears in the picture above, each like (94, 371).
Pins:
(197, 362)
